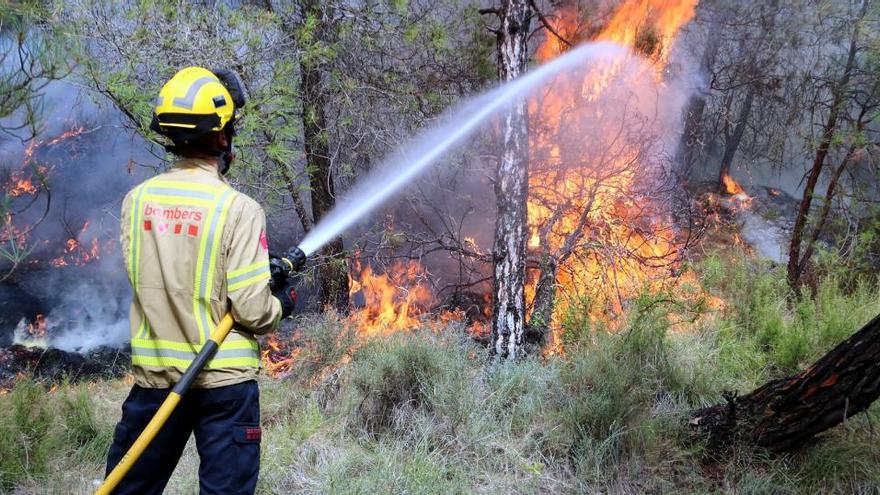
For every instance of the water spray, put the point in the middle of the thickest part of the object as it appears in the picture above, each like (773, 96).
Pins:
(392, 174)
(424, 149)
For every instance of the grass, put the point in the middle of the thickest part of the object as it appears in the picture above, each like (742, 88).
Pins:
(428, 412)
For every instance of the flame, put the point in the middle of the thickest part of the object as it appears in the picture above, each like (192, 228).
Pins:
(73, 132)
(393, 300)
(739, 200)
(37, 329)
(29, 180)
(730, 186)
(570, 192)
(20, 186)
(649, 26)
(278, 356)
(77, 253)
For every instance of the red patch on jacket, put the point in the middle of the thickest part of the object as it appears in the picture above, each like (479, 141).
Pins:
(192, 230)
(148, 225)
(253, 433)
(264, 242)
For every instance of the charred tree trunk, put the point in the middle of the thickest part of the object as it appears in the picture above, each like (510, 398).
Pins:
(796, 262)
(545, 298)
(692, 136)
(733, 141)
(785, 414)
(511, 189)
(332, 272)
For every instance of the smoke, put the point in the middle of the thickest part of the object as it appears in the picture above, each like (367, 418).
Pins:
(88, 161)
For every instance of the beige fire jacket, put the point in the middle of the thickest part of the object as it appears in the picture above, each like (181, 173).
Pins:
(195, 249)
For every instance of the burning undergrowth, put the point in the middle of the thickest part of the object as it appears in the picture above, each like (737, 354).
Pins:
(607, 221)
(603, 213)
(757, 218)
(64, 305)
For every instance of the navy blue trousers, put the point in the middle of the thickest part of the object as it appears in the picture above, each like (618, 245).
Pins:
(226, 423)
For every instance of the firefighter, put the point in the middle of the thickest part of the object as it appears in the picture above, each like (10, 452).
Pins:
(195, 249)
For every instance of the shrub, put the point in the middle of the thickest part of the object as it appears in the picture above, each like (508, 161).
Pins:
(25, 443)
(393, 375)
(325, 340)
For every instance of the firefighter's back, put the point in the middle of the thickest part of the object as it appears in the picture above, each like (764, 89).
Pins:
(177, 231)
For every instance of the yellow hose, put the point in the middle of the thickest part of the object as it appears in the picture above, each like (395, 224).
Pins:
(167, 407)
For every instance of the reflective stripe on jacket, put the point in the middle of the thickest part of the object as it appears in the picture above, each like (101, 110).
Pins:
(195, 249)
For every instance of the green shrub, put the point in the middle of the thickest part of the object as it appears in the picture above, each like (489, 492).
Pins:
(391, 376)
(325, 341)
(81, 429)
(25, 443)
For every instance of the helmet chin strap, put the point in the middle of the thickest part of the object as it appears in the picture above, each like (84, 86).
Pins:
(226, 156)
(225, 160)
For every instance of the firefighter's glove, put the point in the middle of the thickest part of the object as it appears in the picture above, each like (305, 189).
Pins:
(287, 296)
(279, 270)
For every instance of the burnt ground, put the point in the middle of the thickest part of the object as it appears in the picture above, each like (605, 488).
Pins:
(760, 221)
(47, 365)
(55, 365)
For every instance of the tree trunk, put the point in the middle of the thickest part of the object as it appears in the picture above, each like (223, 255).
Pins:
(797, 263)
(733, 141)
(511, 189)
(785, 414)
(332, 272)
(545, 296)
(692, 137)
(826, 205)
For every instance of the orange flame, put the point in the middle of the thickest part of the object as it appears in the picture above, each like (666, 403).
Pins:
(76, 253)
(393, 300)
(20, 186)
(649, 26)
(730, 186)
(570, 192)
(28, 181)
(278, 357)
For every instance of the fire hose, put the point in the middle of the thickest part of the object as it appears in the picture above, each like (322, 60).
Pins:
(295, 259)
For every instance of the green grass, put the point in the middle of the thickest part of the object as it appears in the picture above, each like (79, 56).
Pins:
(429, 412)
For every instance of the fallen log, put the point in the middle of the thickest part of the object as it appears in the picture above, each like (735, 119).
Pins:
(783, 415)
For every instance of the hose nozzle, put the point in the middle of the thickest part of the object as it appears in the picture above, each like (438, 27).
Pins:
(297, 258)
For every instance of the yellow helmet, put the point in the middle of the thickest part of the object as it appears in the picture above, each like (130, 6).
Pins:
(196, 101)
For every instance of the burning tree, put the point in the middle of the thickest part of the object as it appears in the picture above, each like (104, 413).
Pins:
(30, 59)
(600, 201)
